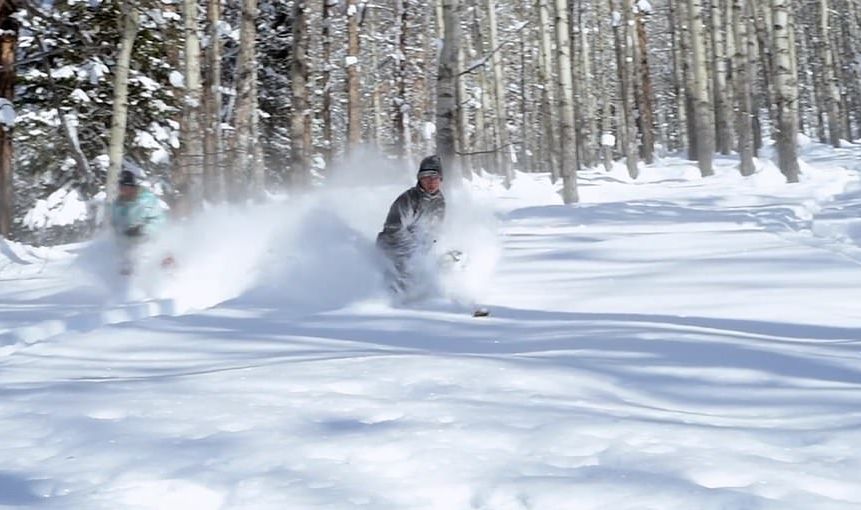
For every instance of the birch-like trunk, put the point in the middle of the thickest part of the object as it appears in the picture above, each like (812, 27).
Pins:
(646, 94)
(831, 95)
(299, 148)
(245, 161)
(565, 99)
(722, 105)
(446, 103)
(213, 145)
(462, 115)
(483, 139)
(191, 139)
(742, 75)
(501, 107)
(625, 57)
(702, 102)
(522, 147)
(354, 84)
(130, 22)
(549, 115)
(607, 139)
(401, 103)
(765, 40)
(682, 21)
(786, 88)
(853, 69)
(378, 88)
(326, 75)
(586, 119)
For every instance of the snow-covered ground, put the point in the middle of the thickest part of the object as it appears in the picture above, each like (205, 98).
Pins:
(669, 343)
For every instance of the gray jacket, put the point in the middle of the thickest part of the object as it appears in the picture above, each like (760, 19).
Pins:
(413, 223)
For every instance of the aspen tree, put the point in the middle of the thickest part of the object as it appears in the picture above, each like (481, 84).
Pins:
(130, 22)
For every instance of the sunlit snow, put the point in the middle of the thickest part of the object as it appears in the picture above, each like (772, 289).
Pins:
(669, 343)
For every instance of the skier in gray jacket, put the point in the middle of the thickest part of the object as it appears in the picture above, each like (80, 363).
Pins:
(413, 224)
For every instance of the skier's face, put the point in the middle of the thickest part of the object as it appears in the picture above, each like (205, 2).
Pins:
(430, 183)
(128, 192)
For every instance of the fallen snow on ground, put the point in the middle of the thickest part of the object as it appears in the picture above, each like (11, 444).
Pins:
(668, 343)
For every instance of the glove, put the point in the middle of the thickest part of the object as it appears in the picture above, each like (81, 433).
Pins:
(135, 231)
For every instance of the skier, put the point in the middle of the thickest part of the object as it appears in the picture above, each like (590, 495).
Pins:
(136, 217)
(413, 226)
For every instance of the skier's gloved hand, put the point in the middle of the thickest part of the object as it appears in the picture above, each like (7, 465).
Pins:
(135, 231)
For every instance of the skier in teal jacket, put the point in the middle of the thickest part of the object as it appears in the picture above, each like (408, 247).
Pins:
(136, 217)
(137, 212)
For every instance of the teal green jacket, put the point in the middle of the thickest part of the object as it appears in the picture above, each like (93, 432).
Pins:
(143, 216)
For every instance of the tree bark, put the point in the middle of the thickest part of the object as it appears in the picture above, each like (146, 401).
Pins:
(401, 103)
(585, 91)
(213, 145)
(190, 172)
(503, 140)
(565, 98)
(246, 148)
(130, 22)
(828, 76)
(462, 115)
(646, 94)
(299, 148)
(678, 129)
(354, 84)
(482, 139)
(8, 44)
(702, 102)
(722, 106)
(742, 73)
(549, 119)
(446, 109)
(786, 88)
(624, 38)
(326, 108)
(607, 138)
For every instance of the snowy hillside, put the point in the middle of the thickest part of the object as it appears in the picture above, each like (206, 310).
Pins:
(672, 343)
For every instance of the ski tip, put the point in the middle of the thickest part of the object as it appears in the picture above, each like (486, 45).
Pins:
(481, 312)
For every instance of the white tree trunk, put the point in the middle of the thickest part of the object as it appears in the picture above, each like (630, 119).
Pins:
(722, 105)
(245, 148)
(212, 102)
(326, 86)
(446, 108)
(501, 107)
(644, 87)
(624, 36)
(462, 115)
(299, 148)
(482, 139)
(702, 103)
(403, 140)
(119, 118)
(565, 98)
(829, 78)
(191, 140)
(549, 116)
(679, 87)
(742, 74)
(607, 137)
(786, 89)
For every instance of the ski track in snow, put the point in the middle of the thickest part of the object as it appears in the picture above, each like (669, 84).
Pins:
(652, 347)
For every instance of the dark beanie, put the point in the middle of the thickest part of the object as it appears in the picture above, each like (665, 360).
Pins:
(431, 165)
(127, 178)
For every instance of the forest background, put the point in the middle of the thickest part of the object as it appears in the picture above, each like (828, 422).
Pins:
(231, 100)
